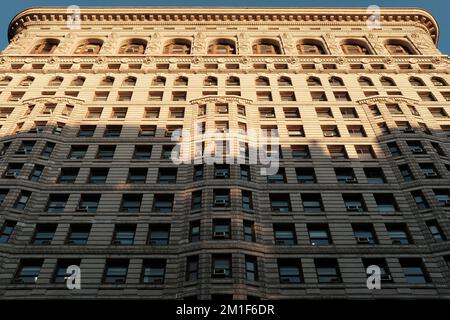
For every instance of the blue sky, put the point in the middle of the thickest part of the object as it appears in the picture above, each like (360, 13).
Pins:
(439, 8)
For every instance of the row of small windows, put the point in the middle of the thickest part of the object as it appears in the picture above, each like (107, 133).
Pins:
(230, 81)
(279, 202)
(223, 147)
(290, 271)
(229, 47)
(304, 175)
(284, 234)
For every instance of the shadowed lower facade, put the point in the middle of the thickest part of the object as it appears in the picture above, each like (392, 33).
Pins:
(359, 112)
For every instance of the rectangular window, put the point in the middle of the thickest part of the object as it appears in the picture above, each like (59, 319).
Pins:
(312, 202)
(28, 271)
(249, 231)
(284, 234)
(22, 200)
(61, 275)
(163, 203)
(398, 233)
(319, 234)
(221, 198)
(77, 152)
(327, 271)
(68, 175)
(221, 266)
(57, 202)
(106, 152)
(124, 234)
(247, 200)
(6, 231)
(112, 131)
(98, 175)
(251, 268)
(153, 271)
(43, 234)
(414, 271)
(86, 131)
(142, 152)
(221, 229)
(280, 202)
(78, 234)
(158, 234)
(116, 271)
(364, 234)
(137, 175)
(194, 231)
(290, 271)
(192, 264)
(131, 203)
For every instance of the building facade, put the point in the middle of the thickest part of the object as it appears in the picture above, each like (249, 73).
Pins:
(359, 109)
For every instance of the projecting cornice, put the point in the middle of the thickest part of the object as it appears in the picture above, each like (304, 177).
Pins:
(218, 15)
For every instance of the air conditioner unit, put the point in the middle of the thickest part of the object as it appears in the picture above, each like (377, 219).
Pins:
(330, 134)
(431, 174)
(279, 241)
(396, 241)
(335, 279)
(386, 277)
(220, 202)
(350, 180)
(117, 242)
(220, 272)
(82, 209)
(354, 208)
(363, 239)
(408, 130)
(46, 242)
(220, 234)
(57, 130)
(33, 130)
(3, 116)
(12, 175)
(416, 149)
(285, 280)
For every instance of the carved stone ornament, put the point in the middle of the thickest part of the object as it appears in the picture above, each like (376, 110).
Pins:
(55, 100)
(387, 99)
(155, 43)
(221, 99)
(110, 45)
(199, 43)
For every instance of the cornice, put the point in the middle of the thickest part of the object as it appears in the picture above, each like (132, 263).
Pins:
(221, 15)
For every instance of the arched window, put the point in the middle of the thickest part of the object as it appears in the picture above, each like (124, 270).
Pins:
(365, 82)
(129, 81)
(56, 81)
(439, 82)
(336, 82)
(416, 82)
(232, 81)
(159, 81)
(78, 81)
(398, 47)
(284, 82)
(5, 81)
(178, 46)
(313, 82)
(133, 46)
(210, 81)
(222, 46)
(107, 81)
(46, 46)
(262, 81)
(27, 81)
(353, 46)
(387, 82)
(310, 46)
(181, 81)
(89, 46)
(266, 46)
